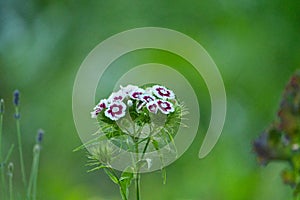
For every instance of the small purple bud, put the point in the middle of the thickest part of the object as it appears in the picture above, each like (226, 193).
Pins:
(16, 97)
(40, 136)
(1, 106)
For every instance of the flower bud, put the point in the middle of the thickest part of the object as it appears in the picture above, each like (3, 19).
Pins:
(40, 136)
(10, 168)
(16, 99)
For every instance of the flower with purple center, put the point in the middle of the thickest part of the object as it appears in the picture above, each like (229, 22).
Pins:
(115, 110)
(162, 92)
(147, 98)
(165, 106)
(136, 94)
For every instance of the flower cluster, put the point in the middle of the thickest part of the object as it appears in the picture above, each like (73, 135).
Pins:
(154, 99)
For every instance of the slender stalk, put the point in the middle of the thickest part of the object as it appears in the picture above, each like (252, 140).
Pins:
(9, 153)
(10, 180)
(137, 176)
(32, 185)
(17, 116)
(35, 178)
(137, 185)
(3, 185)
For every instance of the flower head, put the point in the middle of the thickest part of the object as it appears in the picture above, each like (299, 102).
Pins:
(165, 106)
(136, 94)
(162, 92)
(152, 98)
(115, 110)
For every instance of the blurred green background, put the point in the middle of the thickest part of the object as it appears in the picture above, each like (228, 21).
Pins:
(254, 43)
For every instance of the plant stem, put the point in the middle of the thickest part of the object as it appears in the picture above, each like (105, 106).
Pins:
(137, 185)
(10, 187)
(10, 180)
(20, 147)
(32, 185)
(1, 159)
(137, 178)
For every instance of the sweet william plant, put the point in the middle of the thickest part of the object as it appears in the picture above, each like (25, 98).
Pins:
(137, 120)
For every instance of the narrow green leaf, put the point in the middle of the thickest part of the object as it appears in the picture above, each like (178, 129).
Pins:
(111, 176)
(125, 182)
(97, 168)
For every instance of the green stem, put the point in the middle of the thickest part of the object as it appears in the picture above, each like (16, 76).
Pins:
(10, 179)
(137, 185)
(138, 175)
(146, 146)
(1, 160)
(35, 179)
(20, 147)
(9, 153)
(137, 178)
(32, 185)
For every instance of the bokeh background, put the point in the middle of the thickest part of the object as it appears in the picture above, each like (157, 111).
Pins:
(254, 43)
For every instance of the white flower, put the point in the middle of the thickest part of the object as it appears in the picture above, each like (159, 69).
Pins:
(162, 92)
(115, 110)
(165, 106)
(135, 94)
(128, 89)
(116, 96)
